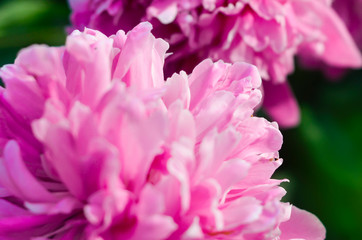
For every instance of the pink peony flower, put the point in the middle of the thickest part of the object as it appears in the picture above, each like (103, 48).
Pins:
(96, 145)
(268, 34)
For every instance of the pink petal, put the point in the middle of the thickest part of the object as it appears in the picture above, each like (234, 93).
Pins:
(166, 11)
(179, 166)
(202, 80)
(302, 225)
(157, 226)
(280, 104)
(39, 59)
(214, 149)
(151, 202)
(241, 211)
(182, 123)
(22, 91)
(177, 89)
(86, 60)
(231, 172)
(133, 67)
(266, 139)
(62, 154)
(142, 139)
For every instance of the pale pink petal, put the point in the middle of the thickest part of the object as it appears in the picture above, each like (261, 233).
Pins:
(182, 123)
(242, 211)
(136, 70)
(158, 227)
(214, 150)
(177, 89)
(165, 10)
(87, 59)
(302, 225)
(231, 173)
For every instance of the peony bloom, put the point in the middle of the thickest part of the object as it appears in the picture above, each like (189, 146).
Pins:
(268, 34)
(96, 145)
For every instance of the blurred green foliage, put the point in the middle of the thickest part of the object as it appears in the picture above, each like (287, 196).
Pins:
(24, 22)
(322, 157)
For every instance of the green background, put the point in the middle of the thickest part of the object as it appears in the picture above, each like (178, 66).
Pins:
(322, 156)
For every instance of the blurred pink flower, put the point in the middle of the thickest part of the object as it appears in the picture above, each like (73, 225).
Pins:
(266, 33)
(94, 144)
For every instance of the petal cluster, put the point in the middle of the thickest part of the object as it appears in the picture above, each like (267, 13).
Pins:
(95, 144)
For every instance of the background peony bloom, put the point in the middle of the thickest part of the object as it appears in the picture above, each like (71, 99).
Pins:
(96, 145)
(268, 34)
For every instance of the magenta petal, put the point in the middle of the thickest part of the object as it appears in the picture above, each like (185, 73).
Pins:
(28, 226)
(280, 104)
(14, 126)
(26, 186)
(204, 199)
(302, 225)
(8, 209)
(62, 155)
(4, 192)
(18, 223)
